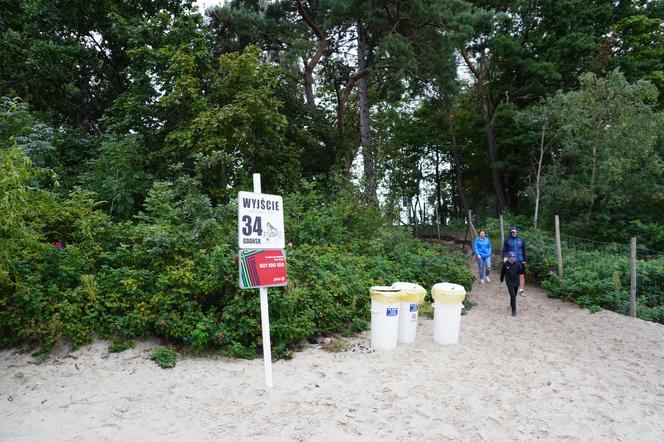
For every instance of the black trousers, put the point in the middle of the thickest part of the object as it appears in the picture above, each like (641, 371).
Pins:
(513, 289)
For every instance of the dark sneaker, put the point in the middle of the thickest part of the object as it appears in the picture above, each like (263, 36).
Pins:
(513, 313)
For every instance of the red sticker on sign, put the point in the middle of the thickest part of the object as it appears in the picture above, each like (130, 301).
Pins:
(262, 268)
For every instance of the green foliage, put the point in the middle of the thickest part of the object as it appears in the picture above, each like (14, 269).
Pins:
(358, 325)
(651, 235)
(606, 171)
(67, 271)
(70, 58)
(48, 248)
(641, 47)
(118, 345)
(164, 357)
(117, 176)
(238, 118)
(18, 125)
(334, 216)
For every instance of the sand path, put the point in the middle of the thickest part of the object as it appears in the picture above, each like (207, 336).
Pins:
(554, 372)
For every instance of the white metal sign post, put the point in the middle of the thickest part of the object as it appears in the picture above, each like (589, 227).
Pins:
(261, 226)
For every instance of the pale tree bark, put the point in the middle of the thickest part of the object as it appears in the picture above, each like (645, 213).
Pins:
(439, 198)
(542, 149)
(537, 178)
(370, 184)
(414, 208)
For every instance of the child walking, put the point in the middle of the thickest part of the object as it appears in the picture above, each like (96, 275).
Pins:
(510, 274)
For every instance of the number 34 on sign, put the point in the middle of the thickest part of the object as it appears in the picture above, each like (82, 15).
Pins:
(260, 221)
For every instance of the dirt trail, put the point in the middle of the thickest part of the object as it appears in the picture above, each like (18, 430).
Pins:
(553, 372)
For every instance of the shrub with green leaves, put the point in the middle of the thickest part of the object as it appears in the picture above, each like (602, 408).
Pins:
(164, 357)
(49, 247)
(67, 271)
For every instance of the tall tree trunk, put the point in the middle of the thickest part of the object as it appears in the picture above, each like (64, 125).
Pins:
(479, 72)
(340, 155)
(439, 211)
(539, 174)
(487, 117)
(344, 152)
(370, 184)
(311, 64)
(414, 219)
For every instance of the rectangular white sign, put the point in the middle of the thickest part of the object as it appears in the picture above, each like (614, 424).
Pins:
(260, 221)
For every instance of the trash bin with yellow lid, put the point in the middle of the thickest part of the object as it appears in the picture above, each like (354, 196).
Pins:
(411, 298)
(447, 304)
(385, 302)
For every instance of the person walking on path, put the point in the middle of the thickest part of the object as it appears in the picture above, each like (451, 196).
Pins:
(482, 248)
(510, 273)
(516, 244)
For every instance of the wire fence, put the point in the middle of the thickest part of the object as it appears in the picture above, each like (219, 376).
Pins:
(596, 274)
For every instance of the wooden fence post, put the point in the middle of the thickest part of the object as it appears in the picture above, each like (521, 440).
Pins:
(465, 239)
(502, 230)
(438, 219)
(559, 250)
(632, 297)
(470, 223)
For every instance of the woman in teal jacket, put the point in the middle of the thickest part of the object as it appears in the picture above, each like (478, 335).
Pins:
(482, 250)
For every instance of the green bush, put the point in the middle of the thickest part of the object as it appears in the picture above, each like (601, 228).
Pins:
(67, 271)
(164, 357)
(48, 251)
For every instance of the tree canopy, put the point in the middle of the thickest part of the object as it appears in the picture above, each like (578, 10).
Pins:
(113, 96)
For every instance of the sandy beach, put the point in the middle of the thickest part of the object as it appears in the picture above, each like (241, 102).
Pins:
(554, 372)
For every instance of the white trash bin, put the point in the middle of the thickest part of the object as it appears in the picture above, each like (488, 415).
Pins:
(411, 298)
(448, 302)
(385, 302)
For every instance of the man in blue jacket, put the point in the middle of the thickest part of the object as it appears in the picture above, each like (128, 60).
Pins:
(515, 244)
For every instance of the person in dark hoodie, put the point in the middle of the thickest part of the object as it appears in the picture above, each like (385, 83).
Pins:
(514, 243)
(510, 274)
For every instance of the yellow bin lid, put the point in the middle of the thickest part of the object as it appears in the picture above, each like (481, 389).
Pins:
(385, 293)
(413, 293)
(448, 293)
